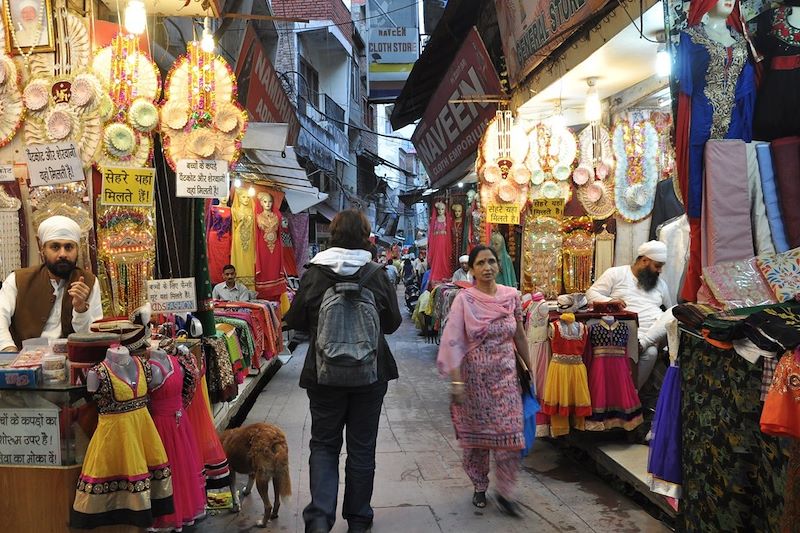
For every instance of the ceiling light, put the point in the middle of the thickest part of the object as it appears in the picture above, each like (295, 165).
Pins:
(237, 182)
(663, 62)
(664, 101)
(251, 191)
(593, 110)
(460, 184)
(135, 17)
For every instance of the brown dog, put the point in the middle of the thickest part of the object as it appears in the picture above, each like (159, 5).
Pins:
(261, 452)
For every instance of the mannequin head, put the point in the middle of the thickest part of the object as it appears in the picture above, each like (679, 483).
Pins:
(243, 197)
(722, 9)
(470, 196)
(440, 208)
(497, 243)
(265, 199)
(458, 211)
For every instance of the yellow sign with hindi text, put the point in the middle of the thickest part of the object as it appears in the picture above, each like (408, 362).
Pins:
(547, 207)
(131, 187)
(502, 214)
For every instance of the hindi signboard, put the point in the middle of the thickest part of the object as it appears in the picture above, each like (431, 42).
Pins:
(53, 164)
(547, 207)
(29, 436)
(450, 131)
(7, 173)
(176, 295)
(502, 214)
(201, 178)
(128, 186)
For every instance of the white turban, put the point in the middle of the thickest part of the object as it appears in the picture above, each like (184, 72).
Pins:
(655, 250)
(463, 259)
(59, 228)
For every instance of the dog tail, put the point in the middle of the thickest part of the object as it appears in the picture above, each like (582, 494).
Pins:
(280, 452)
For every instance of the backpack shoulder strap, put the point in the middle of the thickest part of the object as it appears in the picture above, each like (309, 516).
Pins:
(366, 276)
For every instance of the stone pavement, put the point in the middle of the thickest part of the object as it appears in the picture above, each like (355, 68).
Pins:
(419, 484)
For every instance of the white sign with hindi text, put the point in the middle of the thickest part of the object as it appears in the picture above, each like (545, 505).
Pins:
(7, 173)
(29, 437)
(175, 295)
(52, 164)
(201, 178)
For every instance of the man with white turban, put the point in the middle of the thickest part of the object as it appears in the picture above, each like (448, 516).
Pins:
(463, 273)
(53, 299)
(638, 288)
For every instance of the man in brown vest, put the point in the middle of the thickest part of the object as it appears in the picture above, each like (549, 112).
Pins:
(53, 299)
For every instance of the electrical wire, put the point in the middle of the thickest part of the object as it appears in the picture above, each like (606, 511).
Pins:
(639, 29)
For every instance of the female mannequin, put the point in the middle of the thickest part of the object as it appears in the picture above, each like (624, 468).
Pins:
(778, 104)
(269, 249)
(507, 275)
(243, 251)
(717, 96)
(458, 234)
(474, 220)
(439, 244)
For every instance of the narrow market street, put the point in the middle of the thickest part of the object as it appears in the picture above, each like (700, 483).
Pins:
(419, 484)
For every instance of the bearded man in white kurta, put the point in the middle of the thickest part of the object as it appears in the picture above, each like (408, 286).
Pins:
(639, 289)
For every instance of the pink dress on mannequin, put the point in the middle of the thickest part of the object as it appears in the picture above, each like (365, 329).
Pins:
(439, 245)
(270, 283)
(175, 429)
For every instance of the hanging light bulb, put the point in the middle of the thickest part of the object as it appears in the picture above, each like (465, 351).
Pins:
(207, 42)
(663, 61)
(558, 121)
(135, 17)
(251, 191)
(237, 183)
(593, 110)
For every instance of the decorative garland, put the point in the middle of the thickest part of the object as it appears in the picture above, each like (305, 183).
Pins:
(636, 176)
(200, 118)
(12, 112)
(132, 85)
(541, 256)
(552, 154)
(504, 178)
(578, 251)
(9, 226)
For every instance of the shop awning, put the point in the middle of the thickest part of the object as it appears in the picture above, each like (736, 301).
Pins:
(267, 157)
(324, 209)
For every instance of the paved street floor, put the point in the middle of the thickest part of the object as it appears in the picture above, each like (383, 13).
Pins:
(419, 484)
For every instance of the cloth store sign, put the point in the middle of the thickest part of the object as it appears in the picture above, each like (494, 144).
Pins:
(29, 437)
(502, 214)
(531, 29)
(128, 186)
(175, 295)
(450, 131)
(393, 46)
(53, 164)
(261, 91)
(201, 178)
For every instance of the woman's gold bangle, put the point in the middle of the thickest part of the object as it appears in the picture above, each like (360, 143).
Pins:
(457, 383)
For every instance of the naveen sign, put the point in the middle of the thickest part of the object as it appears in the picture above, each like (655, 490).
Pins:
(449, 132)
(260, 89)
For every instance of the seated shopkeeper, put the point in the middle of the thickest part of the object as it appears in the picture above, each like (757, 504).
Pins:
(53, 299)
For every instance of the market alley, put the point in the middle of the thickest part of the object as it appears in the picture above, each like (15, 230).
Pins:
(419, 484)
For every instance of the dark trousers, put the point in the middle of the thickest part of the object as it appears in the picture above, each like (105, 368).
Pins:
(333, 409)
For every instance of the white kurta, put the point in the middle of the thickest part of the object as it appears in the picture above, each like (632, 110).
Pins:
(52, 329)
(620, 283)
(460, 275)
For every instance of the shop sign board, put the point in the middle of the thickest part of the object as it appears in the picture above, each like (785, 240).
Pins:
(531, 29)
(128, 186)
(547, 207)
(502, 214)
(7, 173)
(201, 178)
(450, 131)
(261, 91)
(53, 164)
(29, 436)
(393, 46)
(175, 295)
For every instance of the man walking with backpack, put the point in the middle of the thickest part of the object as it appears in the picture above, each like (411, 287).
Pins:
(347, 304)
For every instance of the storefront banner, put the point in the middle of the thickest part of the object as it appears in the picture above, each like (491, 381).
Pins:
(449, 131)
(201, 178)
(547, 207)
(175, 295)
(128, 186)
(502, 214)
(531, 29)
(393, 46)
(29, 436)
(7, 173)
(53, 164)
(261, 91)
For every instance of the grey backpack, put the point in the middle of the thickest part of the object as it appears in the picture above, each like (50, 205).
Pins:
(348, 332)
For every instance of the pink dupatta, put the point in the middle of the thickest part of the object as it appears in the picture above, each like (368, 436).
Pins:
(468, 323)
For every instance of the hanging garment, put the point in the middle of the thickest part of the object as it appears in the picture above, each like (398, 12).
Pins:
(439, 245)
(243, 244)
(289, 261)
(126, 476)
(566, 391)
(771, 201)
(725, 223)
(664, 461)
(675, 234)
(629, 237)
(666, 206)
(219, 241)
(615, 402)
(781, 414)
(215, 461)
(778, 104)
(458, 236)
(786, 162)
(539, 350)
(169, 417)
(762, 236)
(298, 229)
(603, 252)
